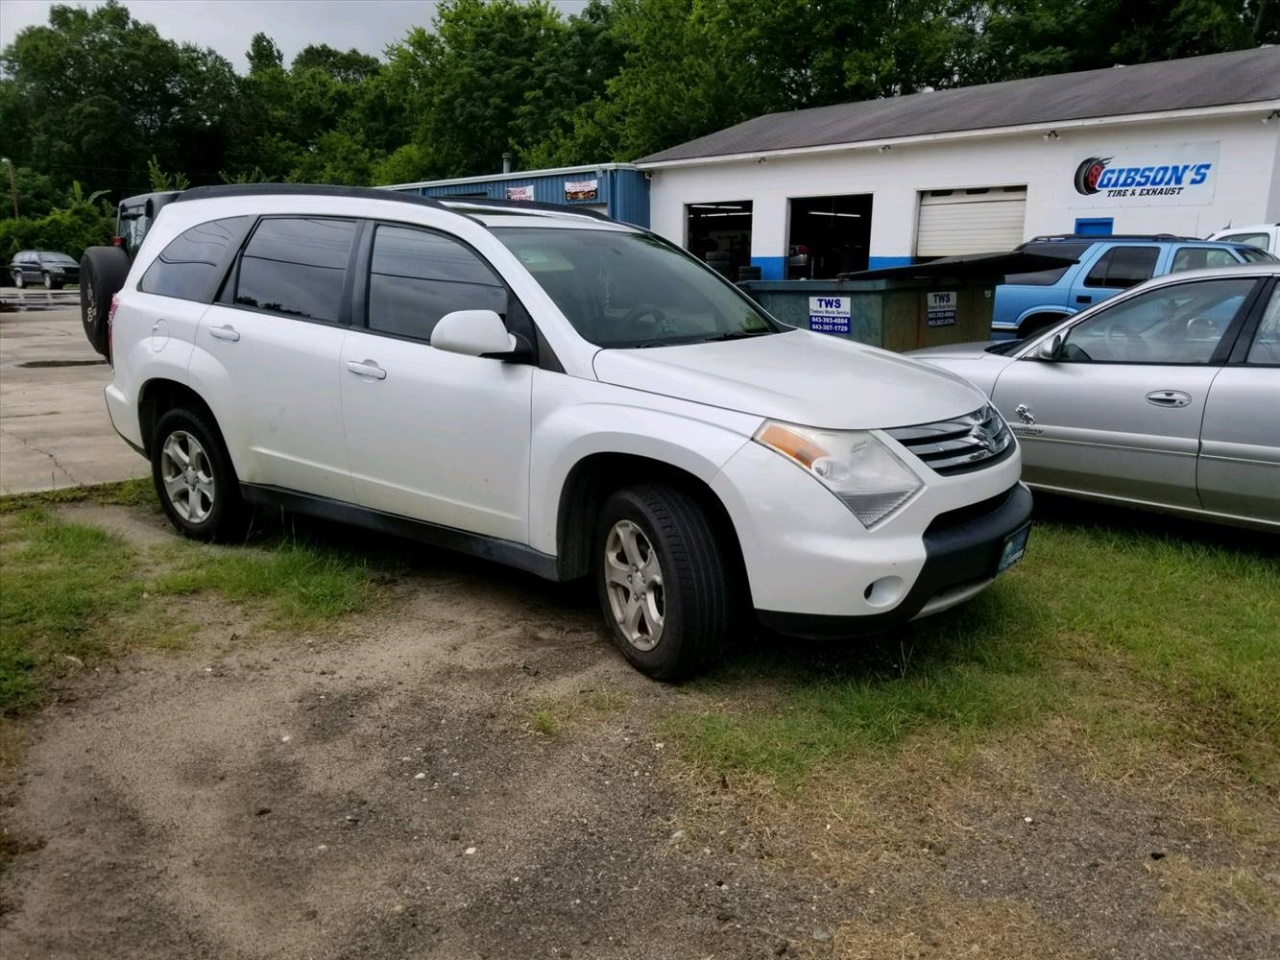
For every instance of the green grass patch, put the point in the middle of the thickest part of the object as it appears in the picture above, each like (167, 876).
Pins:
(128, 493)
(60, 587)
(298, 584)
(1134, 635)
(72, 594)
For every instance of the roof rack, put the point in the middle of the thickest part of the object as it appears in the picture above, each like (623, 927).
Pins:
(519, 206)
(1109, 236)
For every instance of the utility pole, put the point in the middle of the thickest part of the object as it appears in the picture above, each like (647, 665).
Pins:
(13, 185)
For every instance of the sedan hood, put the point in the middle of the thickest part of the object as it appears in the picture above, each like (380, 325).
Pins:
(800, 377)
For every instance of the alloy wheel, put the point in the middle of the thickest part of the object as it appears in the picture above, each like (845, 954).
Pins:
(633, 580)
(187, 475)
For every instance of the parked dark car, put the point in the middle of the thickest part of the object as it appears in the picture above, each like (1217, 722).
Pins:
(48, 267)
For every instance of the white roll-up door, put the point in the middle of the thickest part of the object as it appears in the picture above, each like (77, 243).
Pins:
(955, 222)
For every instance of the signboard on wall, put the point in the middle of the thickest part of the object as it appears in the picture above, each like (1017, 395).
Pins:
(940, 309)
(582, 190)
(519, 193)
(829, 314)
(1175, 175)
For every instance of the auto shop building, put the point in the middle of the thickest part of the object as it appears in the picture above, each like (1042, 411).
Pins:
(1182, 147)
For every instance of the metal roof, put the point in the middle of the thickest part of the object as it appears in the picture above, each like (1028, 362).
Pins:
(1221, 79)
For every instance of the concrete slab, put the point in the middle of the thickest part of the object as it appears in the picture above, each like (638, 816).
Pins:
(54, 429)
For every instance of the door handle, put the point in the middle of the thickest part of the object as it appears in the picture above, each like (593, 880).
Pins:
(1169, 398)
(366, 368)
(1082, 298)
(226, 332)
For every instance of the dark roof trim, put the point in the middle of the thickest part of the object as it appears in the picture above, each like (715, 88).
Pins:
(1226, 81)
(978, 266)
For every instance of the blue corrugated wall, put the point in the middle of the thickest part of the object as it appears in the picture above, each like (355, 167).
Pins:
(625, 193)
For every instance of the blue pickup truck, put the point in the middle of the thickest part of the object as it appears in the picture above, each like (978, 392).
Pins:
(1096, 268)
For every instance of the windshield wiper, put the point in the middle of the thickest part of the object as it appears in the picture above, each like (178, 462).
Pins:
(735, 335)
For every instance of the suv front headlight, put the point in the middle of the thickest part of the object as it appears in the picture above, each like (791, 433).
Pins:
(864, 473)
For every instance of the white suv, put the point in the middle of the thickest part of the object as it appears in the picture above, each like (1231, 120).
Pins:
(559, 392)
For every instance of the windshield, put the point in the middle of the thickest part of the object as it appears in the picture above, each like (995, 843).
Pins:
(55, 257)
(632, 289)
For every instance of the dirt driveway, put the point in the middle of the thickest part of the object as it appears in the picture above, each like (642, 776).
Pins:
(469, 771)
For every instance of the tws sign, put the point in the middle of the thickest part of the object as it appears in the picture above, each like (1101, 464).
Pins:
(1181, 174)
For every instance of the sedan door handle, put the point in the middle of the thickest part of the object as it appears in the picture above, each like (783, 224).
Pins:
(226, 332)
(366, 368)
(1169, 398)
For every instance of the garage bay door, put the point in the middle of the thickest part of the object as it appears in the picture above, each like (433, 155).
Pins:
(954, 222)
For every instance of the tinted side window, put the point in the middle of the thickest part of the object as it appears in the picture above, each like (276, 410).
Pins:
(1123, 267)
(296, 267)
(1068, 252)
(188, 268)
(416, 277)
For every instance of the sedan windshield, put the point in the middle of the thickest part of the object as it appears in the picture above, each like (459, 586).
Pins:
(634, 290)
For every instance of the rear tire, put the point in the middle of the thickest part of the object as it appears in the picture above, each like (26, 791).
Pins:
(102, 273)
(665, 581)
(194, 479)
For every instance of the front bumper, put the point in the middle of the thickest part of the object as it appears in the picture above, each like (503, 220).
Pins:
(962, 554)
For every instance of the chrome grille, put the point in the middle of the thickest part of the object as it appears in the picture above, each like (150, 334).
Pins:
(972, 442)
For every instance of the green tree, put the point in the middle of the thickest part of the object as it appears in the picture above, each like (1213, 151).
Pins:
(95, 92)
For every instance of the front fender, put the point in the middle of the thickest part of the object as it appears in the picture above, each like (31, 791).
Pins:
(574, 419)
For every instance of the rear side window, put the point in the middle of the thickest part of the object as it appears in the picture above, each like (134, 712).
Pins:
(1198, 258)
(1255, 255)
(296, 267)
(1069, 252)
(1123, 267)
(416, 277)
(192, 266)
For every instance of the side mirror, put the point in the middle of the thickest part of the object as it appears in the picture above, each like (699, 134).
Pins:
(478, 333)
(1050, 349)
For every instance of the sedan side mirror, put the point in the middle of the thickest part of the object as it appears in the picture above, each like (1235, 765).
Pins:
(478, 333)
(1050, 349)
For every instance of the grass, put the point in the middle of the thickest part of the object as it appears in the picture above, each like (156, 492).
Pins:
(1133, 634)
(72, 594)
(128, 493)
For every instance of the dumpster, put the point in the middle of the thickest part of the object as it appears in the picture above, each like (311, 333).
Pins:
(900, 308)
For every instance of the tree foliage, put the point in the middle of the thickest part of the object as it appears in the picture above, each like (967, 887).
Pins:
(98, 97)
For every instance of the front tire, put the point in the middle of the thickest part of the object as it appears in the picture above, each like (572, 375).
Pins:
(49, 283)
(19, 280)
(664, 580)
(194, 479)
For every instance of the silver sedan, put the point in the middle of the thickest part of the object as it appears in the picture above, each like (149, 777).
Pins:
(1166, 397)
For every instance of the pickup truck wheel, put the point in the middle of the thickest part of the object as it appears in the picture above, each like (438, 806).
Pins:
(102, 273)
(194, 479)
(663, 580)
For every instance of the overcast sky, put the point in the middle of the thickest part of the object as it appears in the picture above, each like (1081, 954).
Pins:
(228, 25)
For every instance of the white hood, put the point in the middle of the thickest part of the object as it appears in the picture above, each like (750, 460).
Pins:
(807, 378)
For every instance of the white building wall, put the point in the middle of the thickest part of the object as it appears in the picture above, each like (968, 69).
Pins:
(1245, 184)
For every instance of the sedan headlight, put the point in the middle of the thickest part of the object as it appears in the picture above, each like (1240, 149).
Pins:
(864, 473)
